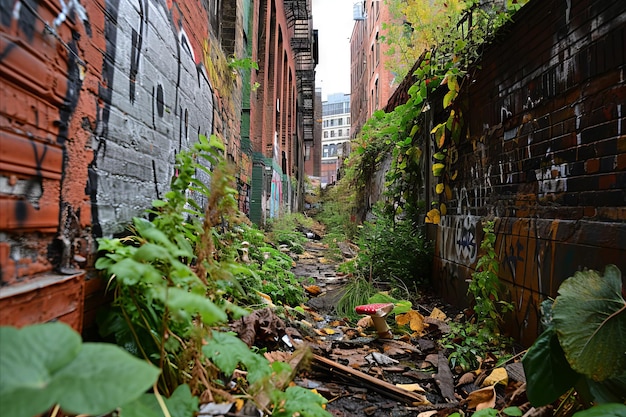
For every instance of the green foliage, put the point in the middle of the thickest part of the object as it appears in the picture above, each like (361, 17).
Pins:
(590, 320)
(287, 230)
(228, 351)
(395, 251)
(455, 33)
(297, 401)
(582, 345)
(47, 364)
(467, 343)
(356, 292)
(186, 269)
(181, 404)
(604, 410)
(485, 286)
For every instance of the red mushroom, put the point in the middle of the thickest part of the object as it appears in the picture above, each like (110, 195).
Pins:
(378, 312)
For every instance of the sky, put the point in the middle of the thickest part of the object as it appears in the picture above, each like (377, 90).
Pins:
(333, 20)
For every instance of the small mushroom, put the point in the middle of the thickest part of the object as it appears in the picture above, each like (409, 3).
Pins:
(378, 312)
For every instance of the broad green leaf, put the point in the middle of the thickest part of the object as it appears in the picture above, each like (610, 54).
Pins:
(225, 351)
(440, 156)
(548, 375)
(603, 410)
(608, 391)
(51, 366)
(590, 320)
(180, 299)
(101, 378)
(130, 272)
(298, 401)
(513, 411)
(29, 357)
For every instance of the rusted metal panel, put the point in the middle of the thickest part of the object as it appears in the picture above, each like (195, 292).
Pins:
(46, 298)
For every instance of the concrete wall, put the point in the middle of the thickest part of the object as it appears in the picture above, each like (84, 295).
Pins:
(545, 154)
(94, 105)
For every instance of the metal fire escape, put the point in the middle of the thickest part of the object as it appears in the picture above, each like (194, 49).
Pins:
(299, 19)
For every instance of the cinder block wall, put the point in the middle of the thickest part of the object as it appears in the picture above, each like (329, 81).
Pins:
(545, 155)
(96, 98)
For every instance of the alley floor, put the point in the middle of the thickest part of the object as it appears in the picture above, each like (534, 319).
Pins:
(409, 375)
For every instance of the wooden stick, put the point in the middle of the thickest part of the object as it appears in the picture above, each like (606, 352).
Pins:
(368, 381)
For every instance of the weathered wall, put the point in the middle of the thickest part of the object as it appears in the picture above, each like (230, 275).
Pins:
(94, 105)
(545, 155)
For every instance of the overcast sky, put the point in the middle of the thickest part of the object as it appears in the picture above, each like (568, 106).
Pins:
(333, 19)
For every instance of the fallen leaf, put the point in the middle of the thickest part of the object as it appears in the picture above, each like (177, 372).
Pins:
(466, 378)
(414, 319)
(427, 413)
(365, 322)
(313, 289)
(497, 376)
(411, 387)
(328, 331)
(437, 314)
(482, 398)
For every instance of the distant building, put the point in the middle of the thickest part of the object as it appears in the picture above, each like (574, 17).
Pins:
(335, 135)
(371, 83)
(313, 149)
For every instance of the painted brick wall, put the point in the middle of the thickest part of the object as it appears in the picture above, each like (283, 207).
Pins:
(545, 155)
(94, 105)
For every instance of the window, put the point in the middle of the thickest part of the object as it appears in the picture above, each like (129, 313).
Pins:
(332, 151)
(348, 122)
(348, 132)
(325, 133)
(325, 151)
(339, 132)
(332, 133)
(340, 122)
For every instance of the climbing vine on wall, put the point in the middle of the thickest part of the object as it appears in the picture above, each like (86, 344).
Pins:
(443, 70)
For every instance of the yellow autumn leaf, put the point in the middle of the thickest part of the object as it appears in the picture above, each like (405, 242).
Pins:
(411, 387)
(433, 216)
(497, 376)
(413, 318)
(443, 209)
(438, 314)
(448, 192)
(439, 188)
(438, 169)
(442, 138)
(329, 331)
(482, 398)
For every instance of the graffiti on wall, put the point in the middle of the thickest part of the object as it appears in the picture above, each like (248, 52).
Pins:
(276, 194)
(157, 99)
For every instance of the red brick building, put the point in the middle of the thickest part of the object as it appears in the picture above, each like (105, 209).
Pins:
(371, 83)
(96, 99)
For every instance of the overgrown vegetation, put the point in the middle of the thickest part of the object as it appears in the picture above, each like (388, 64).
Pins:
(179, 276)
(582, 346)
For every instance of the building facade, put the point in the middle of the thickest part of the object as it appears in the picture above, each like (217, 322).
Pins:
(336, 120)
(313, 149)
(96, 101)
(372, 84)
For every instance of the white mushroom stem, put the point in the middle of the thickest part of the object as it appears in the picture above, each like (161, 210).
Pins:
(383, 330)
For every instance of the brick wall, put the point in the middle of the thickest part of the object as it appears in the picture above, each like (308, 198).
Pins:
(94, 105)
(545, 155)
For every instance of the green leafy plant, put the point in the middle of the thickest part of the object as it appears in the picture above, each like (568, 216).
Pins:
(356, 292)
(48, 364)
(582, 345)
(468, 344)
(485, 287)
(183, 272)
(394, 251)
